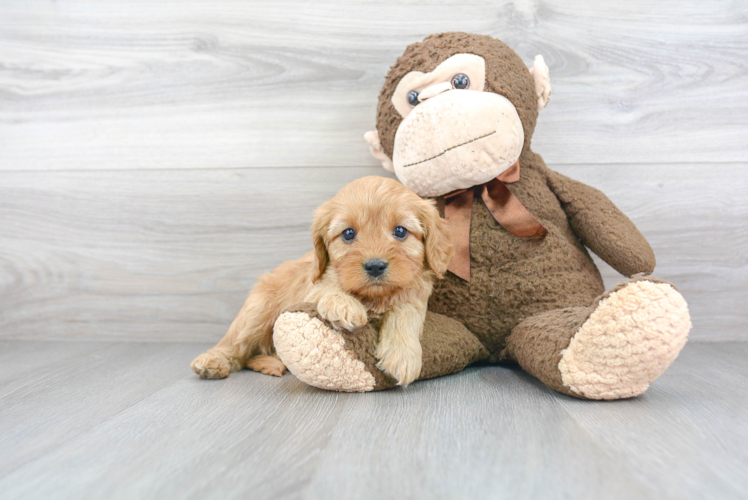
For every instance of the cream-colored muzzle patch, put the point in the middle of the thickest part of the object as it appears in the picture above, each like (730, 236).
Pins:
(456, 140)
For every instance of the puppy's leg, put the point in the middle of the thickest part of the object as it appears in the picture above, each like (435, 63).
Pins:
(251, 333)
(226, 356)
(336, 306)
(399, 349)
(269, 365)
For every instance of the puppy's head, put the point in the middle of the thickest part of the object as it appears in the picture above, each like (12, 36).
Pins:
(379, 236)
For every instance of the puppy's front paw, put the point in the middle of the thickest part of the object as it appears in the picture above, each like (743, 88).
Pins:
(400, 361)
(211, 365)
(342, 311)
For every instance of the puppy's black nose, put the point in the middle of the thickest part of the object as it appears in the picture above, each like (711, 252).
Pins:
(375, 267)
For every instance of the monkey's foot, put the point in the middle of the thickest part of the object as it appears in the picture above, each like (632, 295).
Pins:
(630, 338)
(317, 354)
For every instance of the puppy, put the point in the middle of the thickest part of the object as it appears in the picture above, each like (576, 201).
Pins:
(377, 249)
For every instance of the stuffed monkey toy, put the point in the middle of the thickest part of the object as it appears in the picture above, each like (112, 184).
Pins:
(454, 122)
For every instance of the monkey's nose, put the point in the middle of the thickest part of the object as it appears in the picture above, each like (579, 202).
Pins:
(375, 267)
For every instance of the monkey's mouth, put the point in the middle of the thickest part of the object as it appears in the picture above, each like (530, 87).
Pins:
(450, 149)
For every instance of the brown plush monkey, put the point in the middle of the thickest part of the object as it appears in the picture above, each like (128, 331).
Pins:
(455, 122)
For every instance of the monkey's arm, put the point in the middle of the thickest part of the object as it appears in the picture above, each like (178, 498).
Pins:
(602, 227)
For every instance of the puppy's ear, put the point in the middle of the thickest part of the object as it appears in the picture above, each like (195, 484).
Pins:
(436, 238)
(319, 230)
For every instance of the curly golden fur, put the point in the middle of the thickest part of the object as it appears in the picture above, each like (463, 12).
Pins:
(334, 277)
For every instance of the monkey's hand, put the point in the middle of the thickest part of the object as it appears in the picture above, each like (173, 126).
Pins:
(342, 310)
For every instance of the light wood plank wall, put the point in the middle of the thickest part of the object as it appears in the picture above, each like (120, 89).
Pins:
(156, 157)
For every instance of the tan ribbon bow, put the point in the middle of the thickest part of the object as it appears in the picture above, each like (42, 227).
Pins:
(503, 205)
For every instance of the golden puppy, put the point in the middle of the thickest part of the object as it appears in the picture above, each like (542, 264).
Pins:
(377, 249)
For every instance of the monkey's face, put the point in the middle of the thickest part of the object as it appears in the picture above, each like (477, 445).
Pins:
(455, 127)
(453, 134)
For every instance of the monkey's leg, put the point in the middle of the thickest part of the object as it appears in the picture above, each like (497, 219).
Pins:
(611, 350)
(323, 357)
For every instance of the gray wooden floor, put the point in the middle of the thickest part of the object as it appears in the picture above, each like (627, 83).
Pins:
(129, 420)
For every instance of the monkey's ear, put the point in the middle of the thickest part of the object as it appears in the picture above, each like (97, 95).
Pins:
(375, 147)
(540, 75)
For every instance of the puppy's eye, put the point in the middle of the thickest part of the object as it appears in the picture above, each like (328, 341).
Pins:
(349, 234)
(460, 81)
(413, 98)
(400, 233)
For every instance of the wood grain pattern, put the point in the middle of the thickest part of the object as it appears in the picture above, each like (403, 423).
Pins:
(147, 255)
(87, 388)
(170, 255)
(498, 432)
(155, 85)
(684, 413)
(696, 219)
(157, 431)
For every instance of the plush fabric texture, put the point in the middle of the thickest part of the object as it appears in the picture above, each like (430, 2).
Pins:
(536, 344)
(542, 78)
(319, 356)
(514, 278)
(506, 74)
(537, 301)
(448, 347)
(469, 64)
(602, 227)
(329, 359)
(503, 205)
(629, 339)
(542, 289)
(610, 350)
(454, 141)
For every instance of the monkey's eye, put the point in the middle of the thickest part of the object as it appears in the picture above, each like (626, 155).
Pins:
(413, 98)
(349, 234)
(460, 81)
(400, 233)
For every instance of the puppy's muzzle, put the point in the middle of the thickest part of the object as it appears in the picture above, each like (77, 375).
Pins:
(375, 267)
